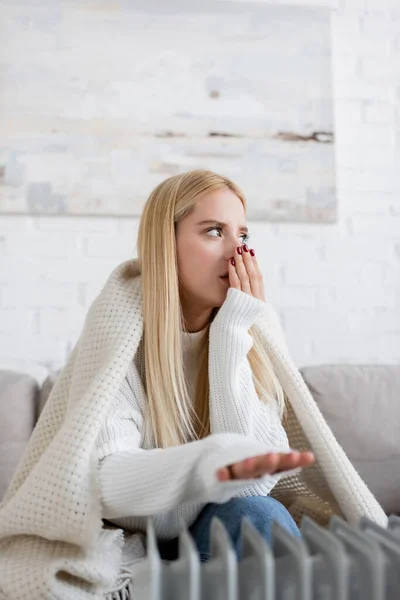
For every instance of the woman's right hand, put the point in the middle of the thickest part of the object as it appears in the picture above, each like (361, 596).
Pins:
(265, 464)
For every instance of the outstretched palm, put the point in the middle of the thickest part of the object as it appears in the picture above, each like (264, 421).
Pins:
(265, 464)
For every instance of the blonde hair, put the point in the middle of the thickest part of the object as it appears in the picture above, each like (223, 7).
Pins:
(172, 417)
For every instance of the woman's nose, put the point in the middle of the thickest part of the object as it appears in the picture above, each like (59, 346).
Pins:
(231, 246)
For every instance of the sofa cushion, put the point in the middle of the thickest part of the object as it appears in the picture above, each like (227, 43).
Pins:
(362, 406)
(18, 406)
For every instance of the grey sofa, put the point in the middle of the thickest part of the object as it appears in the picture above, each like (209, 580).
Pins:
(361, 403)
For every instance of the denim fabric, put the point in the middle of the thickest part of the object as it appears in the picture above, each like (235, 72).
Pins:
(261, 511)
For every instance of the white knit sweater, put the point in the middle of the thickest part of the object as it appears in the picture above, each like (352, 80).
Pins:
(53, 542)
(131, 480)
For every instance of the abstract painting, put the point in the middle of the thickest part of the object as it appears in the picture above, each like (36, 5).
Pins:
(100, 101)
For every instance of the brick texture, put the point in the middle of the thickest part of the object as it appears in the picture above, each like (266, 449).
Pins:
(336, 286)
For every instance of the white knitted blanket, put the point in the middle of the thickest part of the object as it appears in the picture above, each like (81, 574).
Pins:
(51, 528)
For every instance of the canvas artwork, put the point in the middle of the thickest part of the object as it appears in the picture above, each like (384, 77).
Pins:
(101, 101)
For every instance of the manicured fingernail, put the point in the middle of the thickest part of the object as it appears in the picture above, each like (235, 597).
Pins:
(245, 248)
(252, 252)
(239, 250)
(233, 261)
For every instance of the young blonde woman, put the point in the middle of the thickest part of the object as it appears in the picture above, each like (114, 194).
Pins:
(180, 401)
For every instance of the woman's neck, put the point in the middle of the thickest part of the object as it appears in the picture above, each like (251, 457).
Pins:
(196, 320)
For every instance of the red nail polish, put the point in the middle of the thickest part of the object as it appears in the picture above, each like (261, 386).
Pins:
(239, 250)
(245, 248)
(233, 261)
(252, 252)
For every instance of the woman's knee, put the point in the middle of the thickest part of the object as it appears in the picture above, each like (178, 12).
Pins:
(262, 512)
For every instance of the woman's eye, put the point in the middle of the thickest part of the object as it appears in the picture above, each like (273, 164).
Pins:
(244, 236)
(217, 229)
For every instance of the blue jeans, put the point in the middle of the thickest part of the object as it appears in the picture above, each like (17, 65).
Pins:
(261, 511)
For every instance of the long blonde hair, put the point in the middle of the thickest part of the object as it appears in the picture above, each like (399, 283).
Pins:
(173, 418)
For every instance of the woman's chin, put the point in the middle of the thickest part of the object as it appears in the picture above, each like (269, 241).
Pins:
(220, 299)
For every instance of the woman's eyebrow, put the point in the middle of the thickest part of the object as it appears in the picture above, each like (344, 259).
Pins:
(220, 224)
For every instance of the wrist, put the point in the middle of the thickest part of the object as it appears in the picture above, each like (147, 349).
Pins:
(239, 310)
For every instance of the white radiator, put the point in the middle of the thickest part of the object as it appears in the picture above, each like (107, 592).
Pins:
(338, 563)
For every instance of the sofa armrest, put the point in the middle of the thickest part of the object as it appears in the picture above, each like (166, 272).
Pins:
(19, 395)
(46, 389)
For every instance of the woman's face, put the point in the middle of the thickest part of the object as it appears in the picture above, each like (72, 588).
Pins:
(206, 240)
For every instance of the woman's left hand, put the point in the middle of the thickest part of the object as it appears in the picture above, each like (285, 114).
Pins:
(244, 273)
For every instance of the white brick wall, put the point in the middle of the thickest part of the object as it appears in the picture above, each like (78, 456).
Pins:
(337, 287)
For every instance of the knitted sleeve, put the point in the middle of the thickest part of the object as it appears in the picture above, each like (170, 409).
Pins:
(149, 482)
(138, 482)
(234, 404)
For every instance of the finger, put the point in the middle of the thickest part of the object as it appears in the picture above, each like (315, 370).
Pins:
(252, 272)
(266, 465)
(223, 474)
(258, 275)
(243, 469)
(288, 462)
(273, 463)
(277, 463)
(295, 460)
(242, 271)
(255, 466)
(234, 280)
(307, 458)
